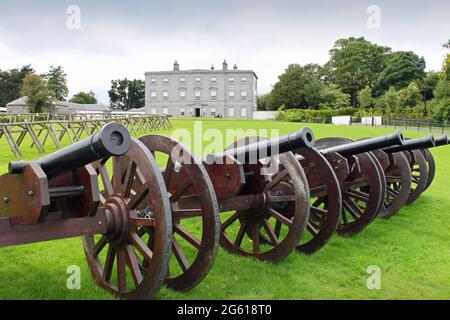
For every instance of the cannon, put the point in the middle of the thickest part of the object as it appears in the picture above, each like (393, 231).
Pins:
(58, 196)
(248, 180)
(360, 179)
(409, 171)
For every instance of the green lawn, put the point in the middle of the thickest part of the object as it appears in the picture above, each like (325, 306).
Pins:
(412, 250)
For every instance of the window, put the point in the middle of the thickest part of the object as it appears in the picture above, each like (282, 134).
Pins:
(244, 79)
(231, 80)
(182, 111)
(165, 81)
(230, 112)
(198, 94)
(182, 94)
(244, 95)
(213, 80)
(153, 110)
(198, 80)
(213, 94)
(212, 111)
(165, 95)
(153, 81)
(231, 94)
(244, 112)
(165, 110)
(153, 95)
(182, 80)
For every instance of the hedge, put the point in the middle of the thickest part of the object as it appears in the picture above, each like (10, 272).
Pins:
(322, 116)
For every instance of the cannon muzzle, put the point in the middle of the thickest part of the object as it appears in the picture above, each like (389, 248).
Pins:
(361, 146)
(112, 140)
(441, 141)
(413, 144)
(267, 148)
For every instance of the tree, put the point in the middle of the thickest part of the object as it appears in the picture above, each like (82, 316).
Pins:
(429, 84)
(11, 82)
(333, 97)
(263, 102)
(442, 90)
(388, 101)
(299, 87)
(39, 94)
(127, 94)
(402, 67)
(57, 82)
(410, 96)
(355, 63)
(84, 98)
(365, 98)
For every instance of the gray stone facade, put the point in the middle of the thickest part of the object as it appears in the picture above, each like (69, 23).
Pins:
(201, 93)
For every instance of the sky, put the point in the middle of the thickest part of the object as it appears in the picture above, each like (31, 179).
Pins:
(97, 41)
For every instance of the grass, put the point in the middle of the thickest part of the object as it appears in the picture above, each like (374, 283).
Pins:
(411, 249)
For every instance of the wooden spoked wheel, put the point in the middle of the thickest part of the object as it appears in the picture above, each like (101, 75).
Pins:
(115, 258)
(362, 189)
(398, 183)
(325, 200)
(195, 212)
(419, 171)
(271, 230)
(431, 163)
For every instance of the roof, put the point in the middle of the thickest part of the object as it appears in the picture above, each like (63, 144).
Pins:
(201, 71)
(70, 106)
(22, 101)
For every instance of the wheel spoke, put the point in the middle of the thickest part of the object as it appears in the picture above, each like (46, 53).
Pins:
(121, 271)
(168, 172)
(358, 195)
(181, 190)
(133, 265)
(230, 220)
(187, 213)
(393, 193)
(280, 217)
(129, 179)
(255, 237)
(99, 246)
(109, 264)
(179, 254)
(141, 246)
(117, 174)
(278, 178)
(271, 233)
(352, 208)
(312, 228)
(186, 235)
(138, 197)
(286, 198)
(393, 179)
(106, 180)
(344, 216)
(318, 191)
(240, 235)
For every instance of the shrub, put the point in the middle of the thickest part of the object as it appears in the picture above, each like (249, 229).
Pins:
(322, 116)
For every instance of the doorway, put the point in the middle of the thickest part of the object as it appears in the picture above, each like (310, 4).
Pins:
(197, 112)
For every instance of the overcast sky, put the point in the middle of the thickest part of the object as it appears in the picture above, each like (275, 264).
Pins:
(118, 39)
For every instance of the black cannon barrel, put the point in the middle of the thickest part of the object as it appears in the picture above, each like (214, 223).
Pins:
(267, 148)
(441, 141)
(412, 144)
(112, 140)
(366, 145)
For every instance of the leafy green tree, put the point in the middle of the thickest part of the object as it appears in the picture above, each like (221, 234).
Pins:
(127, 94)
(354, 64)
(57, 82)
(442, 90)
(264, 102)
(402, 67)
(365, 98)
(39, 94)
(11, 82)
(299, 87)
(429, 84)
(333, 97)
(410, 96)
(84, 98)
(446, 68)
(388, 101)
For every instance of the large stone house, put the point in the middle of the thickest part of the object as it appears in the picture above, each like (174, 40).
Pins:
(201, 93)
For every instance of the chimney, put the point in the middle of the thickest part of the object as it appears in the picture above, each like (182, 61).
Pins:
(235, 67)
(225, 65)
(212, 67)
(176, 66)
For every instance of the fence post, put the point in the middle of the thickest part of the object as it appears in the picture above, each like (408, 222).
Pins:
(406, 124)
(418, 125)
(431, 126)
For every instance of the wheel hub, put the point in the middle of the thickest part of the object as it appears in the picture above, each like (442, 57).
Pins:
(117, 213)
